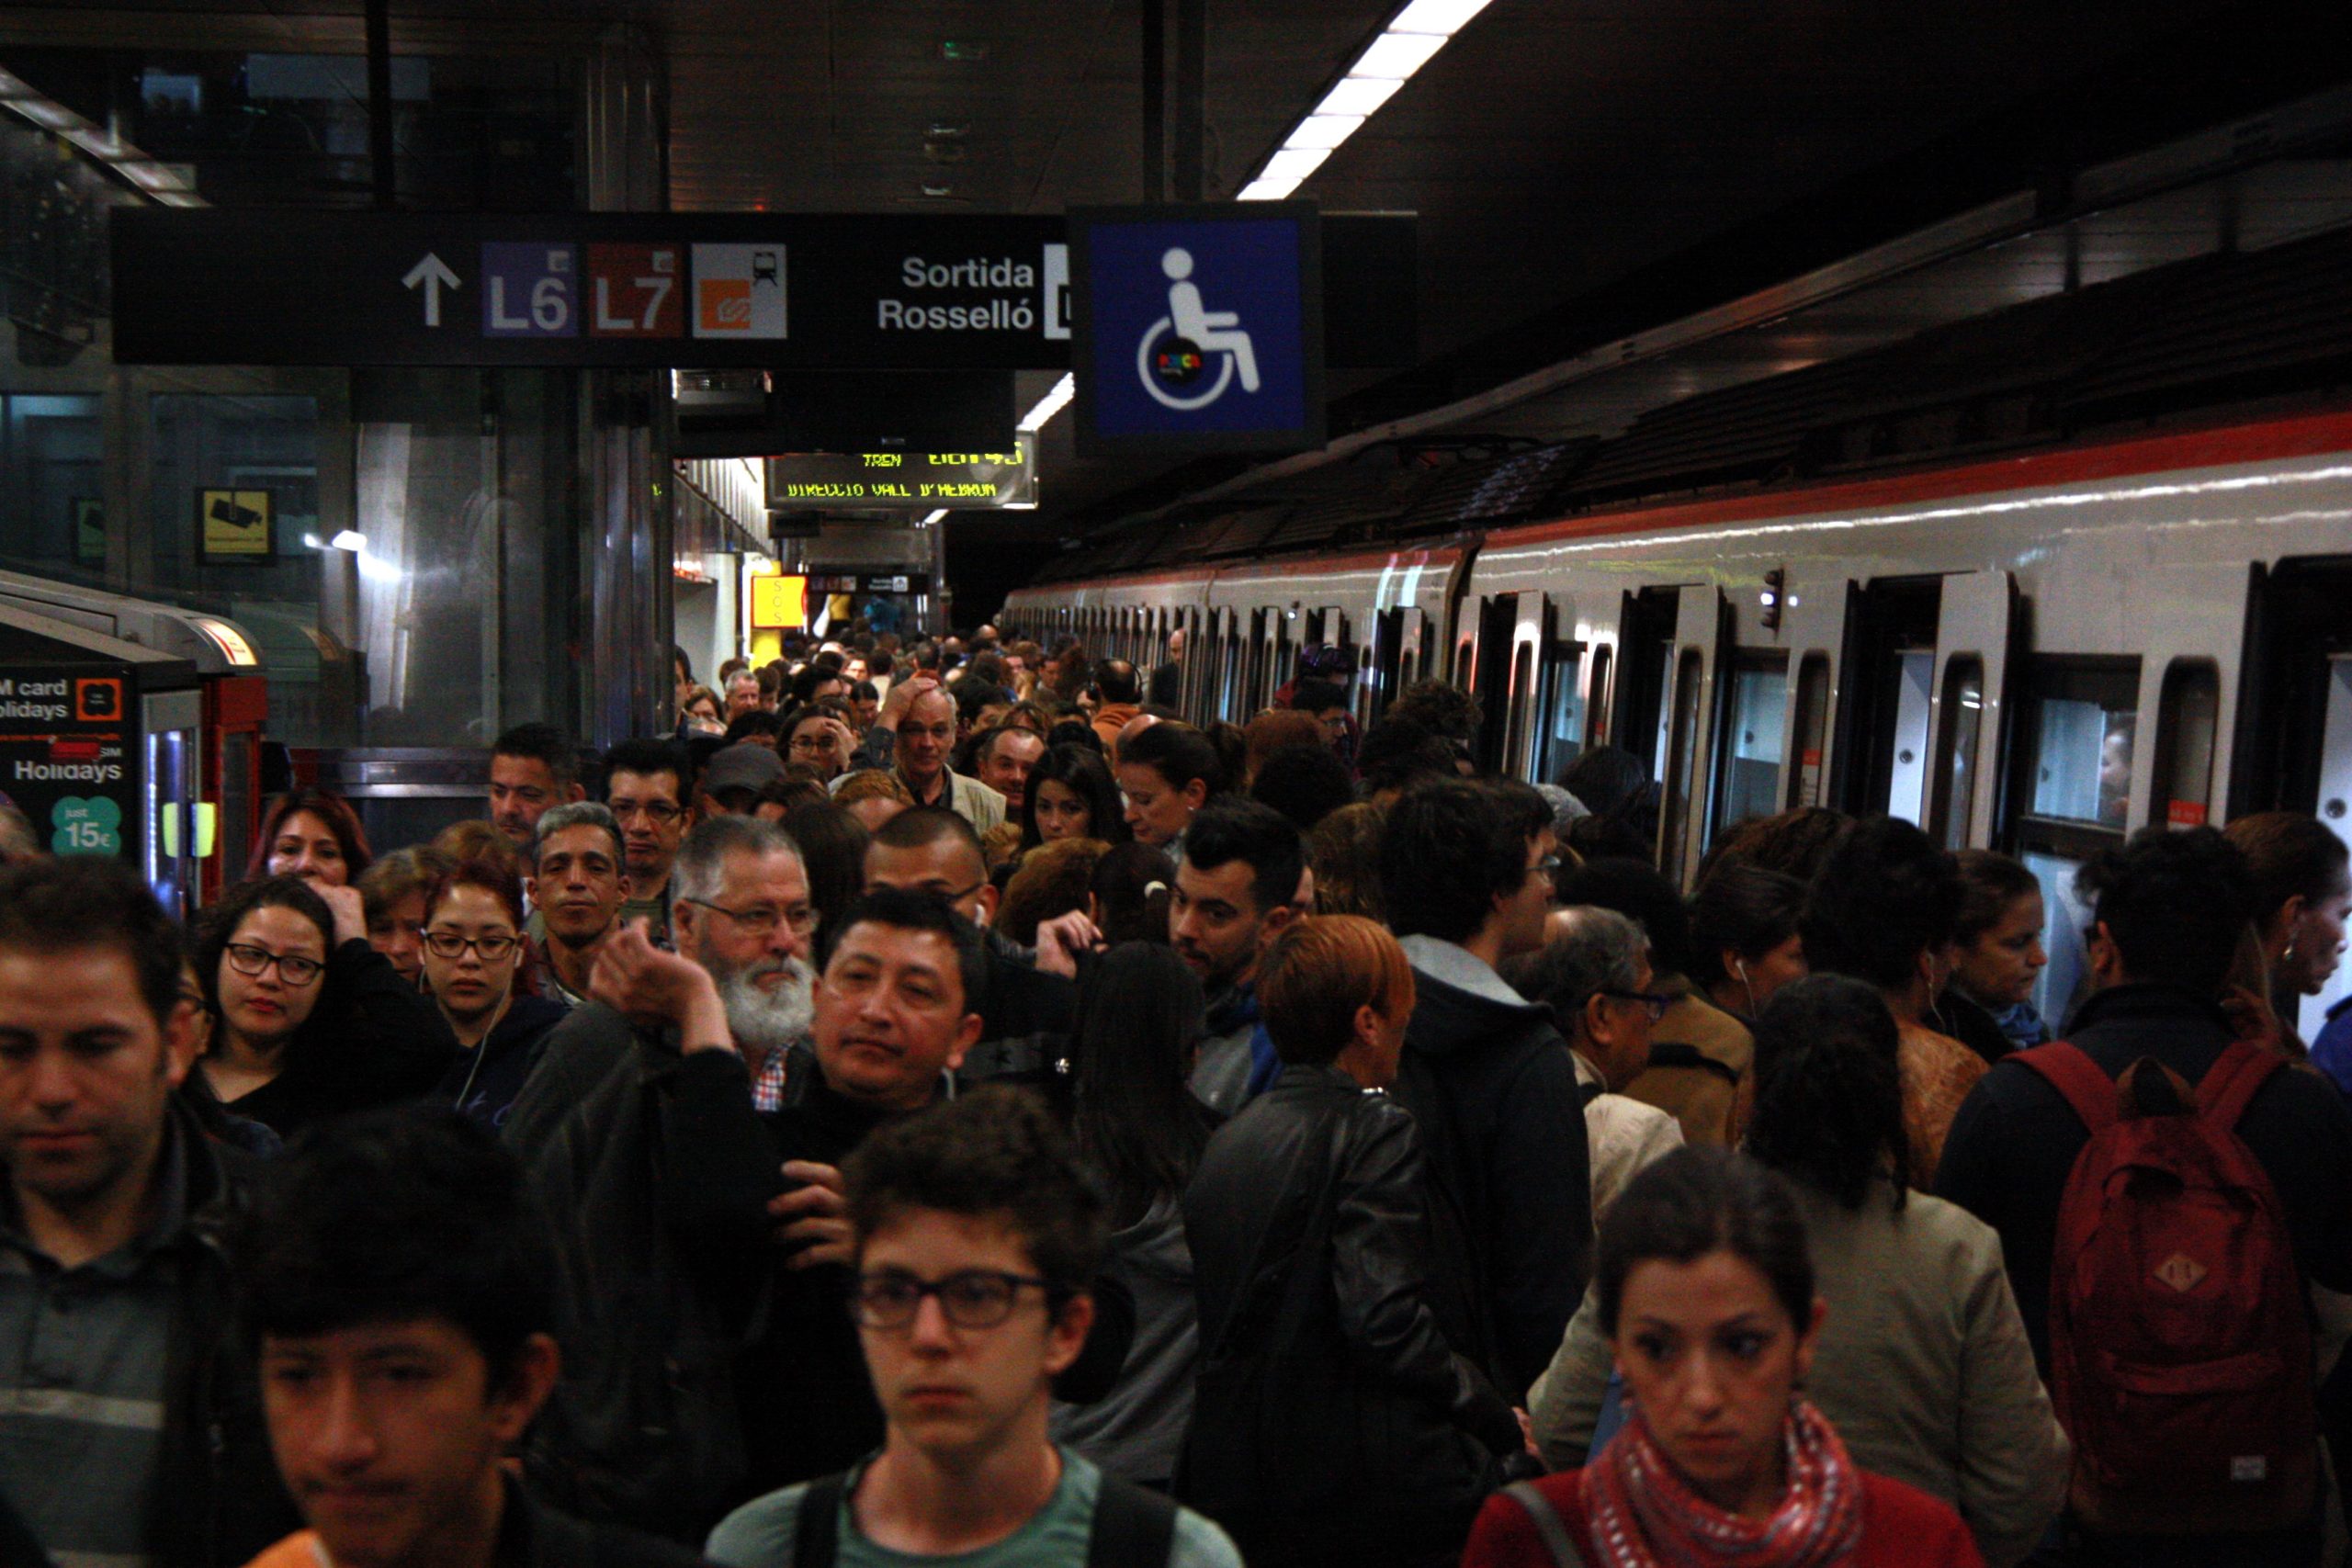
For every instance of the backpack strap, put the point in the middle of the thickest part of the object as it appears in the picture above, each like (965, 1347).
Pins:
(2231, 1082)
(1548, 1523)
(816, 1535)
(2085, 1085)
(1134, 1525)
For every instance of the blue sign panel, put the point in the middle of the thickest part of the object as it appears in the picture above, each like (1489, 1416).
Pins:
(1198, 329)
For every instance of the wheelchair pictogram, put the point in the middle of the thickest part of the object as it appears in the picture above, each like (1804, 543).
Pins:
(1172, 360)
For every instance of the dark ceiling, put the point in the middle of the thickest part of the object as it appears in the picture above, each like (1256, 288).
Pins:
(1581, 168)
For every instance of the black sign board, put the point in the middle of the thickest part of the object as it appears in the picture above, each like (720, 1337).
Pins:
(782, 291)
(914, 481)
(870, 583)
(67, 756)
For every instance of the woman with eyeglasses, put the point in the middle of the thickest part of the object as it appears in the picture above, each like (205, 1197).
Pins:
(473, 952)
(818, 736)
(308, 1021)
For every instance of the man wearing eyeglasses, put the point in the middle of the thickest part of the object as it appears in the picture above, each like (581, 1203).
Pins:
(658, 1078)
(1594, 973)
(974, 1238)
(647, 788)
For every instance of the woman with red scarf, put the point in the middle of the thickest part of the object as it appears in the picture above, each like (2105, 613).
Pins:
(1706, 1290)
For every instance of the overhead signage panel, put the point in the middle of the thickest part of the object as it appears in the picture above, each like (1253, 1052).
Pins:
(1199, 329)
(207, 286)
(201, 286)
(915, 480)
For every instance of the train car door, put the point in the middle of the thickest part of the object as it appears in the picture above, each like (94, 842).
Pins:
(1556, 734)
(2295, 714)
(1976, 613)
(1889, 655)
(1702, 631)
(1646, 635)
(1490, 675)
(2067, 796)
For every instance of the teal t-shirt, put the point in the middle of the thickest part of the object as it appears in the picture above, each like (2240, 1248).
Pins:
(760, 1534)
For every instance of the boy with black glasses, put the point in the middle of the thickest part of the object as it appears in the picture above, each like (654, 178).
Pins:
(974, 1236)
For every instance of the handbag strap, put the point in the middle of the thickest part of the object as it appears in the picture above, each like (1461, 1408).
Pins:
(1548, 1523)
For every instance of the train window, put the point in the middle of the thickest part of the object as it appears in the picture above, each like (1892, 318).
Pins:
(1906, 787)
(2082, 727)
(1755, 742)
(2075, 725)
(1681, 761)
(1596, 696)
(1560, 739)
(2188, 712)
(1963, 706)
(1522, 680)
(1812, 729)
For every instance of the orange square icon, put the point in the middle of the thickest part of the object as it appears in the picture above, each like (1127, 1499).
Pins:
(726, 304)
(97, 701)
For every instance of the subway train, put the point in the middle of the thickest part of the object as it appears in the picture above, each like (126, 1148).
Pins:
(2038, 653)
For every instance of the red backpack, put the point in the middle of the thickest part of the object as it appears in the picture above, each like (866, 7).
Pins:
(2180, 1343)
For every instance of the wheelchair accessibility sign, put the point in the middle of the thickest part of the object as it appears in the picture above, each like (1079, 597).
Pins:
(1198, 329)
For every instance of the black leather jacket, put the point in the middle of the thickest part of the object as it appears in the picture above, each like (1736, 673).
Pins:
(1325, 1376)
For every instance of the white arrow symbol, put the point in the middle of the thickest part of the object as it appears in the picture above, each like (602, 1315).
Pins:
(435, 274)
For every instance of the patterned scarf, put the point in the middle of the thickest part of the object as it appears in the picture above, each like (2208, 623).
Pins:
(1643, 1515)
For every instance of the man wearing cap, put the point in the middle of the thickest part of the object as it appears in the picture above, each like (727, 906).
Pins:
(732, 779)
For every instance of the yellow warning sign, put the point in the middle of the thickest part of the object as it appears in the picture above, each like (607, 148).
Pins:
(779, 603)
(234, 523)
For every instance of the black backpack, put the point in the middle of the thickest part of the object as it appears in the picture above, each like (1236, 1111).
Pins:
(1134, 1525)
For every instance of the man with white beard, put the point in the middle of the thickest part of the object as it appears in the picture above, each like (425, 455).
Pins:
(895, 1011)
(644, 1124)
(740, 913)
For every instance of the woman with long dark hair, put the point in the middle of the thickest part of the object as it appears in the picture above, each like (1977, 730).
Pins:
(1922, 1362)
(1137, 1125)
(1071, 796)
(1996, 957)
(1704, 1287)
(2302, 896)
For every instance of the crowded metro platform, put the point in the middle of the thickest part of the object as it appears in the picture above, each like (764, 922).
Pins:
(1531, 786)
(1027, 1127)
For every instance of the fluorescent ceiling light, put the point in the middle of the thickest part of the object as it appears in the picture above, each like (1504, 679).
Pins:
(1358, 96)
(1052, 403)
(1324, 131)
(1397, 55)
(349, 539)
(1290, 166)
(1444, 17)
(935, 518)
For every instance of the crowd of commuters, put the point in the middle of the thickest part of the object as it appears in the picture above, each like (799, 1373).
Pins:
(936, 1104)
